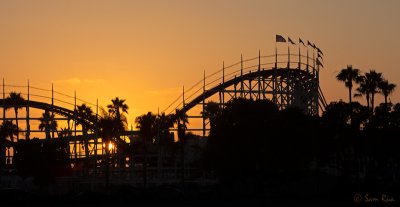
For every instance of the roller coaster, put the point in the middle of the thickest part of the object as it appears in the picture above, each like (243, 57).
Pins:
(288, 80)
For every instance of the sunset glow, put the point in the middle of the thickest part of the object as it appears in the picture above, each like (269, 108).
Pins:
(146, 51)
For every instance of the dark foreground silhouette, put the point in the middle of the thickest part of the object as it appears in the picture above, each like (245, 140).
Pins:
(258, 155)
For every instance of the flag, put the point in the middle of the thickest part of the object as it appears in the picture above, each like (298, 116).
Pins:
(319, 51)
(319, 63)
(309, 43)
(319, 56)
(279, 38)
(301, 41)
(291, 41)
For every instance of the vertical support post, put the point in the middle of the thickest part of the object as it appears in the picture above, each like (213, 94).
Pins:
(234, 89)
(317, 92)
(259, 74)
(274, 98)
(159, 160)
(204, 103)
(288, 80)
(3, 155)
(183, 97)
(4, 103)
(223, 82)
(96, 138)
(52, 111)
(28, 126)
(183, 112)
(241, 76)
(313, 55)
(75, 148)
(299, 63)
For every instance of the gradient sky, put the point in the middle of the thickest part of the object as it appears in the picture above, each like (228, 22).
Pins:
(145, 51)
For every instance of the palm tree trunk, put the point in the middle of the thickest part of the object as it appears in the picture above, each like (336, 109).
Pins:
(349, 94)
(86, 144)
(16, 122)
(144, 163)
(372, 101)
(386, 100)
(183, 163)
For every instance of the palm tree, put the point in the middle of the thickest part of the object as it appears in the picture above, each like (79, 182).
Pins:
(181, 119)
(147, 127)
(108, 129)
(64, 132)
(373, 80)
(165, 122)
(15, 100)
(164, 138)
(85, 115)
(211, 112)
(348, 75)
(363, 89)
(118, 108)
(7, 130)
(386, 89)
(47, 123)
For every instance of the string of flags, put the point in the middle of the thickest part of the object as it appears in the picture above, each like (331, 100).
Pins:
(320, 54)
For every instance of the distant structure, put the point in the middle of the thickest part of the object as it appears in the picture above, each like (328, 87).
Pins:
(287, 79)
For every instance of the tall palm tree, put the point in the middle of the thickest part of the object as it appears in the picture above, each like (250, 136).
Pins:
(164, 122)
(147, 127)
(47, 123)
(85, 115)
(386, 89)
(15, 99)
(211, 112)
(373, 80)
(181, 119)
(348, 75)
(164, 138)
(363, 89)
(108, 129)
(118, 107)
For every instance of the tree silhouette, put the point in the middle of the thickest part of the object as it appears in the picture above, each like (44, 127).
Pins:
(373, 80)
(8, 130)
(64, 132)
(386, 89)
(348, 75)
(47, 123)
(362, 89)
(147, 127)
(118, 108)
(164, 123)
(211, 111)
(109, 128)
(85, 115)
(15, 99)
(181, 119)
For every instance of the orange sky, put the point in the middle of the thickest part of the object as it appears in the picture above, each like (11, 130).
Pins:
(145, 51)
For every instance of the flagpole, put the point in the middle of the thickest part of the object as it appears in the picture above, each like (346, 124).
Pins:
(313, 55)
(307, 59)
(276, 54)
(288, 49)
(299, 57)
